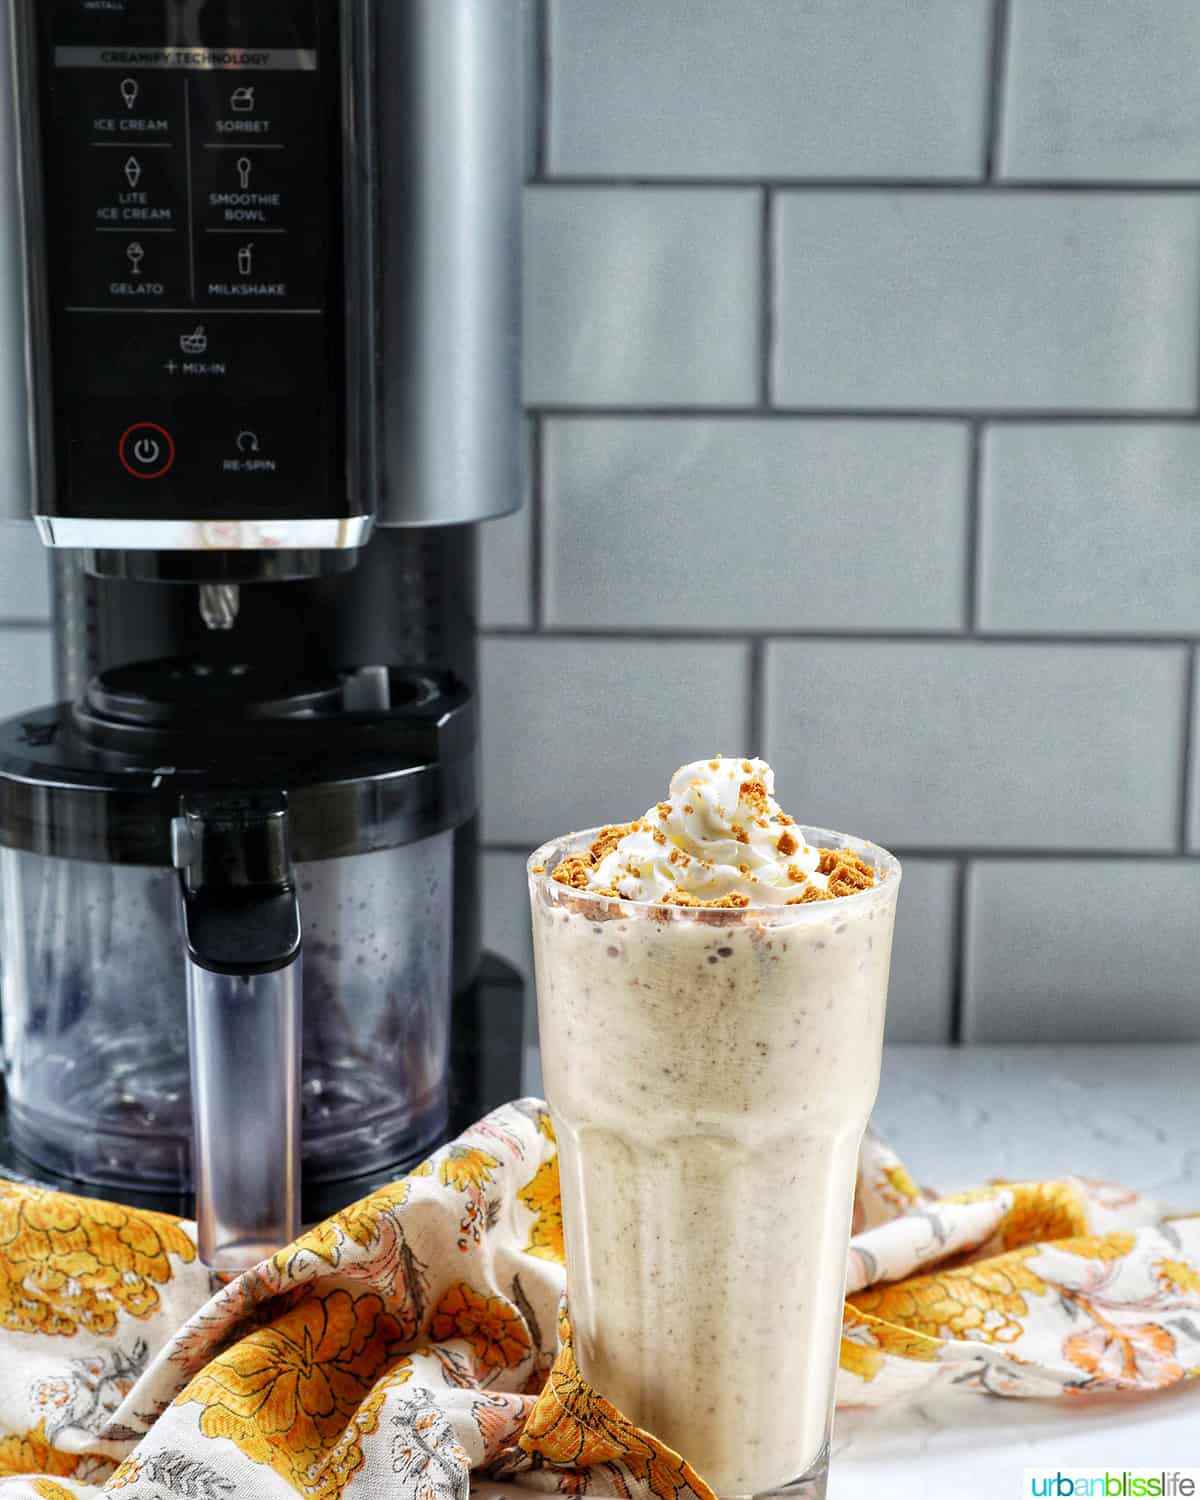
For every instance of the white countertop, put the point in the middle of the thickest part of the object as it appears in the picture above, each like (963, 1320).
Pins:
(959, 1116)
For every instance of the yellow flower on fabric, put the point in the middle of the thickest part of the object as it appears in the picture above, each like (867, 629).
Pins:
(466, 1167)
(461, 1168)
(1042, 1211)
(985, 1301)
(1114, 1246)
(333, 1472)
(68, 1263)
(358, 1223)
(285, 1393)
(866, 1341)
(33, 1453)
(901, 1183)
(541, 1196)
(48, 1489)
(490, 1325)
(572, 1429)
(1177, 1276)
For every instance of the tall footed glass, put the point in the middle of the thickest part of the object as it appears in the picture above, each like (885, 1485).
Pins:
(710, 1073)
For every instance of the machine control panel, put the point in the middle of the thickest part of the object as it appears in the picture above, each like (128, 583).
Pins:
(191, 169)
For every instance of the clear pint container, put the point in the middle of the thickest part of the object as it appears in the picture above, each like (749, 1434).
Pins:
(95, 1017)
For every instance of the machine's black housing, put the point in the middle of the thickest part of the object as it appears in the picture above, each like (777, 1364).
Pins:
(190, 327)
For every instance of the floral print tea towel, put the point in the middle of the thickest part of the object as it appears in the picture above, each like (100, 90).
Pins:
(415, 1338)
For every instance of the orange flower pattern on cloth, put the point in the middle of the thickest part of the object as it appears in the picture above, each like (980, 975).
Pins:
(492, 1327)
(419, 1335)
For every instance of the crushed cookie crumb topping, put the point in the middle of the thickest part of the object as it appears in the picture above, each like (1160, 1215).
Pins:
(847, 873)
(635, 870)
(679, 897)
(754, 794)
(608, 839)
(575, 871)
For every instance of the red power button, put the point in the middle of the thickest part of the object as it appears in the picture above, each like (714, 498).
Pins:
(146, 450)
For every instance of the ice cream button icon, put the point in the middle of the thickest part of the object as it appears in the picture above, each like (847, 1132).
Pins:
(245, 260)
(136, 255)
(241, 101)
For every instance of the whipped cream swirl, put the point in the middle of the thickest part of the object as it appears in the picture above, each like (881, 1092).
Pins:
(720, 834)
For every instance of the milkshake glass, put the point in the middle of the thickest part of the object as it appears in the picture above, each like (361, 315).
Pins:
(710, 1073)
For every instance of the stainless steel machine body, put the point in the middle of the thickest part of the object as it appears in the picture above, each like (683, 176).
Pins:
(259, 376)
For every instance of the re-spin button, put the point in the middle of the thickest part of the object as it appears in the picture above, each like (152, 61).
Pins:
(146, 450)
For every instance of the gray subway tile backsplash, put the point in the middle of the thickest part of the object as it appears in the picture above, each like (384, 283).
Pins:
(24, 574)
(1091, 528)
(26, 667)
(506, 928)
(753, 524)
(985, 300)
(1062, 951)
(920, 1004)
(1010, 375)
(582, 732)
(768, 88)
(506, 556)
(642, 296)
(931, 745)
(1193, 807)
(1102, 91)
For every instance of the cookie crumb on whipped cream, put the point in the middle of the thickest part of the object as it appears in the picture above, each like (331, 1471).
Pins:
(720, 840)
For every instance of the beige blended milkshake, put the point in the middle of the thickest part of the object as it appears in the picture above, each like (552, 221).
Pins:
(711, 988)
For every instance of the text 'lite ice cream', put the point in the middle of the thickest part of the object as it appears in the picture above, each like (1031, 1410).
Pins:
(711, 989)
